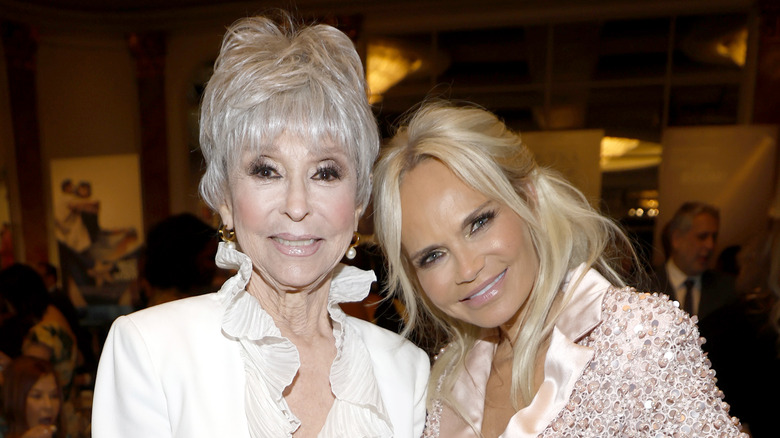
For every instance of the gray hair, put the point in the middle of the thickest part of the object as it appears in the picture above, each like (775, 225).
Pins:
(682, 221)
(275, 77)
(566, 231)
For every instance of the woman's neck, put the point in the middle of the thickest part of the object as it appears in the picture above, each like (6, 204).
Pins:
(298, 314)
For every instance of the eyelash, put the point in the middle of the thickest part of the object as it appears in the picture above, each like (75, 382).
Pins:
(262, 170)
(482, 220)
(327, 172)
(428, 258)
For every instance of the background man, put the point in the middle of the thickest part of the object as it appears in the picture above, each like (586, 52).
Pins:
(742, 361)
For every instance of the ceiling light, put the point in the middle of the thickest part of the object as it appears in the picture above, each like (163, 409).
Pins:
(388, 64)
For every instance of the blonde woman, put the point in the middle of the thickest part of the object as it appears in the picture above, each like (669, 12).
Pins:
(526, 280)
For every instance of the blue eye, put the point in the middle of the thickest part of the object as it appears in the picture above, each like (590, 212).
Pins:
(481, 221)
(429, 258)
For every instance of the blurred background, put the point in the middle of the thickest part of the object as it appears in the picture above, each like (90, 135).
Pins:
(644, 105)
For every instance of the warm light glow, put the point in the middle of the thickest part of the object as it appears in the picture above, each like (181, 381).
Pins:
(734, 46)
(387, 65)
(648, 203)
(619, 154)
(617, 146)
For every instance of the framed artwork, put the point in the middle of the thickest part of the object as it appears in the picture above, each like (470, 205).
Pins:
(98, 227)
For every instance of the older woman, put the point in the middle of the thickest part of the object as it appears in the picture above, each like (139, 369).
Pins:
(525, 277)
(289, 141)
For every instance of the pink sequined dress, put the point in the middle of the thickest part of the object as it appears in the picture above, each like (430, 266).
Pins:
(620, 364)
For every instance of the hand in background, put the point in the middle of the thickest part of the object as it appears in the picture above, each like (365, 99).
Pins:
(40, 431)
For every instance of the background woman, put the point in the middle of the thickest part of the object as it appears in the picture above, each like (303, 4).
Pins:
(31, 399)
(289, 141)
(525, 278)
(33, 326)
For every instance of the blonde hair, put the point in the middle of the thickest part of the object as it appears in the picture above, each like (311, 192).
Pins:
(274, 76)
(565, 230)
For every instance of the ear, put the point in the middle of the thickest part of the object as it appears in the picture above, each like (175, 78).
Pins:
(226, 214)
(674, 240)
(358, 215)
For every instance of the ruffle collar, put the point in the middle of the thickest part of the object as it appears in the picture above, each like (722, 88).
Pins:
(271, 361)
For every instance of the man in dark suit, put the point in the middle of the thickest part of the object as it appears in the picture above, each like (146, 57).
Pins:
(740, 360)
(689, 241)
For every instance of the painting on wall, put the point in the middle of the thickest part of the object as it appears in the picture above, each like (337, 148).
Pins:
(98, 224)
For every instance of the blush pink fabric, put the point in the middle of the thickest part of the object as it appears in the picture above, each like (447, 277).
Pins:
(619, 362)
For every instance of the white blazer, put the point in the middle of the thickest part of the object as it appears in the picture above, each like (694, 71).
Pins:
(170, 371)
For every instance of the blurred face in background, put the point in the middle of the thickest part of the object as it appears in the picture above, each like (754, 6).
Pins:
(43, 402)
(692, 250)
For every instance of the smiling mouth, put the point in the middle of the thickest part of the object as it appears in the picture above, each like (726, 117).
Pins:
(286, 242)
(485, 289)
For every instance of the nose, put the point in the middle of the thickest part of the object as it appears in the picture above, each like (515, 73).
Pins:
(48, 403)
(469, 266)
(709, 243)
(296, 205)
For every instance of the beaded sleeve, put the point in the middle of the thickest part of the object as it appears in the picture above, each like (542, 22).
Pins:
(648, 377)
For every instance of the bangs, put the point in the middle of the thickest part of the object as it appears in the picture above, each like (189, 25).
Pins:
(311, 116)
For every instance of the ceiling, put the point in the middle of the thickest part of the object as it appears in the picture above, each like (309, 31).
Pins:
(118, 5)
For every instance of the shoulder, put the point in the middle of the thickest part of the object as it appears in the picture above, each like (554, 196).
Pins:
(647, 362)
(392, 354)
(639, 317)
(183, 311)
(629, 299)
(380, 340)
(658, 279)
(174, 321)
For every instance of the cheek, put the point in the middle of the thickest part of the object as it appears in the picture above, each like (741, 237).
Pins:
(434, 287)
(32, 411)
(249, 209)
(339, 209)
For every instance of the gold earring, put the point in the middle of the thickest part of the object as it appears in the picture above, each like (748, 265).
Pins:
(226, 234)
(352, 252)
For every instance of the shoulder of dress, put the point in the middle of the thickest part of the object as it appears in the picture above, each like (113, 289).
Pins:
(642, 315)
(629, 299)
(379, 338)
(196, 311)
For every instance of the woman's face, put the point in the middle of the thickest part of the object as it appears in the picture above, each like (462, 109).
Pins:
(472, 255)
(293, 209)
(43, 402)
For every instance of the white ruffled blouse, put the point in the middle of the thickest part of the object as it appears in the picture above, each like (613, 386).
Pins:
(271, 361)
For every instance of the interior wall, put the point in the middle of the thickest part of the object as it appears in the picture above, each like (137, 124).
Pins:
(730, 167)
(87, 100)
(188, 53)
(87, 96)
(9, 195)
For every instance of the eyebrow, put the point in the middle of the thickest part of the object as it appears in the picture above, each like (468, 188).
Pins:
(465, 223)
